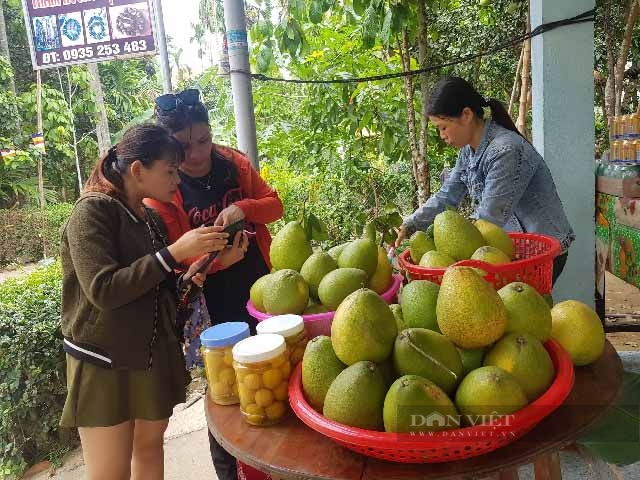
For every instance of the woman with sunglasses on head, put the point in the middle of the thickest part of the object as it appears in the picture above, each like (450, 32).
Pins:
(125, 369)
(219, 186)
(509, 183)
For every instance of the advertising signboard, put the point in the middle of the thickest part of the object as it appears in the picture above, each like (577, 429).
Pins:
(69, 32)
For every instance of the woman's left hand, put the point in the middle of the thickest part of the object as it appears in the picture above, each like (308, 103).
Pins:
(199, 278)
(236, 252)
(229, 215)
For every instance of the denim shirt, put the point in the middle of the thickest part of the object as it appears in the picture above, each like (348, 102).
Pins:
(509, 183)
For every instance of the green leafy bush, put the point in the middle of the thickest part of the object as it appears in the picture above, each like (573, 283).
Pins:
(22, 231)
(32, 370)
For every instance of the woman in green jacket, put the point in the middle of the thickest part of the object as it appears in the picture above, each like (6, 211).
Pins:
(125, 370)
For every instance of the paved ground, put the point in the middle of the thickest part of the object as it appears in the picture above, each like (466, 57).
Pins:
(187, 447)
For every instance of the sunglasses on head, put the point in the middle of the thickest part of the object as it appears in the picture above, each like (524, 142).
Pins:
(171, 101)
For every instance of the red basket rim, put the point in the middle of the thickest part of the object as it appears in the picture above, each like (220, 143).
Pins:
(554, 250)
(324, 316)
(528, 416)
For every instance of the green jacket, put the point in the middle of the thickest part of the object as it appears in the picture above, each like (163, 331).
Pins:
(116, 274)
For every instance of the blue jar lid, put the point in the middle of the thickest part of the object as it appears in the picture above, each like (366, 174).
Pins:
(224, 334)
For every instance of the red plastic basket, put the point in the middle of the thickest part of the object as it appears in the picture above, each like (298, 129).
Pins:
(450, 445)
(320, 323)
(534, 255)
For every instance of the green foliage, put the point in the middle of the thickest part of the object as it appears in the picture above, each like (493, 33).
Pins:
(23, 231)
(32, 370)
(345, 199)
(8, 102)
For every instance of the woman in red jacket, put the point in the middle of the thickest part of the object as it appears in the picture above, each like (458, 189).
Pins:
(220, 186)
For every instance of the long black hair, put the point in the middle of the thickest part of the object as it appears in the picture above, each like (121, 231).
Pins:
(183, 116)
(145, 142)
(451, 95)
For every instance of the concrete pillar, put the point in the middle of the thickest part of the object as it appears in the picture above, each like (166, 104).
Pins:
(563, 131)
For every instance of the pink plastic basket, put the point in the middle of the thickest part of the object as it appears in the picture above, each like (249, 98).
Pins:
(320, 323)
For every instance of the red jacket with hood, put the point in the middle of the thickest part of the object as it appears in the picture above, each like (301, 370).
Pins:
(260, 205)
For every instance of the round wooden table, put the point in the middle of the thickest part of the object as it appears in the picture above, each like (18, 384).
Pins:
(291, 450)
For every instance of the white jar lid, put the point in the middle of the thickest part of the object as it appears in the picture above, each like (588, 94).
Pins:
(259, 348)
(285, 325)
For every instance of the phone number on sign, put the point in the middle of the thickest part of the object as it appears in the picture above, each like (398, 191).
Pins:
(84, 53)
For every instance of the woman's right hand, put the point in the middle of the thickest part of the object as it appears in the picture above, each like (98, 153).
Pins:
(199, 241)
(402, 234)
(236, 252)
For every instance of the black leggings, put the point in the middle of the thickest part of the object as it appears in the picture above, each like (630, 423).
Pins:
(223, 461)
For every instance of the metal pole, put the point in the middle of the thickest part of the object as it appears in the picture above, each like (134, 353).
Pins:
(40, 130)
(234, 19)
(162, 47)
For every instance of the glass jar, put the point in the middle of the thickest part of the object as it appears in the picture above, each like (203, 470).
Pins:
(291, 327)
(628, 152)
(217, 344)
(262, 369)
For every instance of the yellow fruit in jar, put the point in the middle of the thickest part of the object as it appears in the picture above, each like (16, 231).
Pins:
(275, 410)
(228, 376)
(264, 397)
(255, 419)
(212, 374)
(297, 354)
(254, 409)
(271, 378)
(281, 392)
(228, 357)
(255, 414)
(234, 389)
(220, 389)
(253, 381)
(215, 361)
(279, 360)
(247, 396)
(286, 369)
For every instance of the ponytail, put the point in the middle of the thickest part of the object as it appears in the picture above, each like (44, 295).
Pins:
(500, 115)
(106, 177)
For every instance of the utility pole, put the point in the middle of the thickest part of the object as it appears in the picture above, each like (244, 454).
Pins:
(234, 19)
(162, 47)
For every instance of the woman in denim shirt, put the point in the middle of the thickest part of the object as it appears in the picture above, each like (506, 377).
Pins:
(509, 183)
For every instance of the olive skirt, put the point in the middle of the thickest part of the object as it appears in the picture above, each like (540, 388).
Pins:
(99, 397)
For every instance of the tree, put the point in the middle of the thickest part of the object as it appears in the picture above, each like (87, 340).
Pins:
(102, 123)
(4, 46)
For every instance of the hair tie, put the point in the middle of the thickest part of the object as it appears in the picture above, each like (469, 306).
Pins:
(112, 156)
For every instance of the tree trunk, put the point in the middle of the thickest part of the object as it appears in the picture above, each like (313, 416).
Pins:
(516, 83)
(523, 109)
(610, 87)
(4, 46)
(403, 46)
(632, 17)
(423, 163)
(102, 123)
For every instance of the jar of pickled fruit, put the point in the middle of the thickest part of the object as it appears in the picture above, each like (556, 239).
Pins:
(291, 327)
(217, 344)
(262, 369)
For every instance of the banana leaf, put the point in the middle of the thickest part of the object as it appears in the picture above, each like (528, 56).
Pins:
(616, 438)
